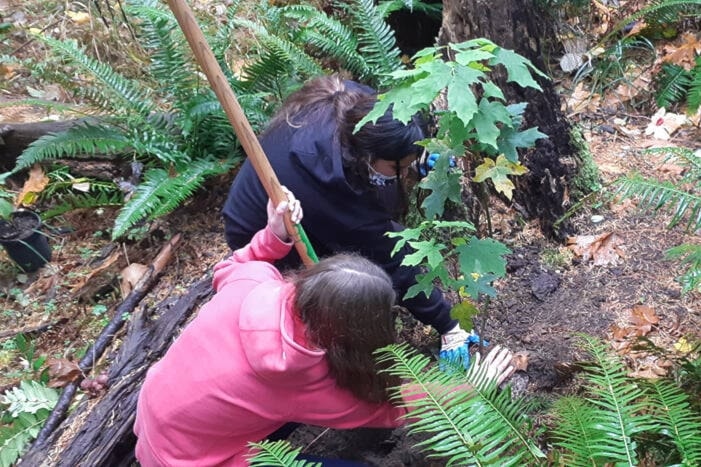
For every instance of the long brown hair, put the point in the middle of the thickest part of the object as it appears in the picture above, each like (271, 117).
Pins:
(345, 302)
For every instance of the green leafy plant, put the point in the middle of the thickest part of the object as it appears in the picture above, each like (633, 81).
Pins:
(681, 199)
(176, 128)
(476, 122)
(25, 408)
(469, 421)
(277, 454)
(470, 265)
(299, 41)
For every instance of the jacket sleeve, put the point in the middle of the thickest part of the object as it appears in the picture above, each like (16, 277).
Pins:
(253, 261)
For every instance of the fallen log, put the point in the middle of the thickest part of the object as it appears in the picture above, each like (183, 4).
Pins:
(99, 430)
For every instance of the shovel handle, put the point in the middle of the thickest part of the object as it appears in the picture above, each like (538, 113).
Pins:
(217, 80)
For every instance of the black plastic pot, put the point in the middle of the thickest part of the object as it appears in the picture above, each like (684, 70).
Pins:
(23, 241)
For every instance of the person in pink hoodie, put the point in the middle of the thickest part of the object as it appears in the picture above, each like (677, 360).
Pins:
(267, 350)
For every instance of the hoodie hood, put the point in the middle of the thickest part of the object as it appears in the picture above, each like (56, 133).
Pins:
(267, 338)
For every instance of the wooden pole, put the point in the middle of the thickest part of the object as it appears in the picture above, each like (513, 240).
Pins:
(206, 59)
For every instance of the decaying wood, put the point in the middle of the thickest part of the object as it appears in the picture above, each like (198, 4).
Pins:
(16, 137)
(104, 436)
(37, 328)
(43, 440)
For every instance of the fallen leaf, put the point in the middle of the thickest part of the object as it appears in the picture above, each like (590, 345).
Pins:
(78, 17)
(646, 373)
(582, 100)
(601, 249)
(83, 282)
(131, 276)
(643, 314)
(685, 53)
(34, 185)
(682, 345)
(62, 371)
(520, 360)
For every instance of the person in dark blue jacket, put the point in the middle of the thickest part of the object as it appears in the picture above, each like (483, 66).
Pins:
(350, 185)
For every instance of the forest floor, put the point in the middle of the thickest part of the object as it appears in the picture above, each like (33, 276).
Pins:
(549, 295)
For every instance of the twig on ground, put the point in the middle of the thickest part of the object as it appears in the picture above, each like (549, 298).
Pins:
(106, 336)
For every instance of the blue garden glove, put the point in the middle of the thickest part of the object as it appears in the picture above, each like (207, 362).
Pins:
(455, 348)
(430, 162)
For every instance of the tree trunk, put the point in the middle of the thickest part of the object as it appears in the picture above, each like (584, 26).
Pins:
(517, 25)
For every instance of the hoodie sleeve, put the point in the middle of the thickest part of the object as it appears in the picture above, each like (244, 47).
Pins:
(264, 248)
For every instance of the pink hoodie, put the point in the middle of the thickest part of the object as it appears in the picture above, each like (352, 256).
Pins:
(235, 374)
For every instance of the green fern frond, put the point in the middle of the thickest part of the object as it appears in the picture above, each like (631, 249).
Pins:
(375, 38)
(685, 157)
(276, 454)
(690, 256)
(432, 10)
(77, 141)
(129, 93)
(470, 422)
(659, 11)
(619, 412)
(161, 192)
(694, 94)
(67, 203)
(572, 433)
(657, 194)
(673, 413)
(276, 51)
(672, 86)
(29, 397)
(15, 438)
(170, 61)
(331, 37)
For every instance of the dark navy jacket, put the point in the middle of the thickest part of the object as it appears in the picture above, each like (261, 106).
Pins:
(337, 217)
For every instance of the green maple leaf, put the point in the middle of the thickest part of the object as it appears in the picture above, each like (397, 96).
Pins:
(428, 250)
(477, 286)
(424, 282)
(405, 236)
(482, 256)
(464, 312)
(437, 76)
(510, 139)
(485, 121)
(518, 68)
(461, 99)
(444, 184)
(498, 171)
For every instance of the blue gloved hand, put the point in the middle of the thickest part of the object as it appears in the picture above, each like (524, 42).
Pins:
(455, 348)
(430, 162)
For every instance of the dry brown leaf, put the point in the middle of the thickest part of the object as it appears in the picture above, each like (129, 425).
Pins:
(131, 276)
(34, 185)
(520, 360)
(601, 249)
(620, 333)
(582, 100)
(62, 371)
(685, 53)
(646, 373)
(643, 314)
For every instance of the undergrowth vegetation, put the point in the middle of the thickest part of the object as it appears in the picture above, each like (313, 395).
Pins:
(169, 128)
